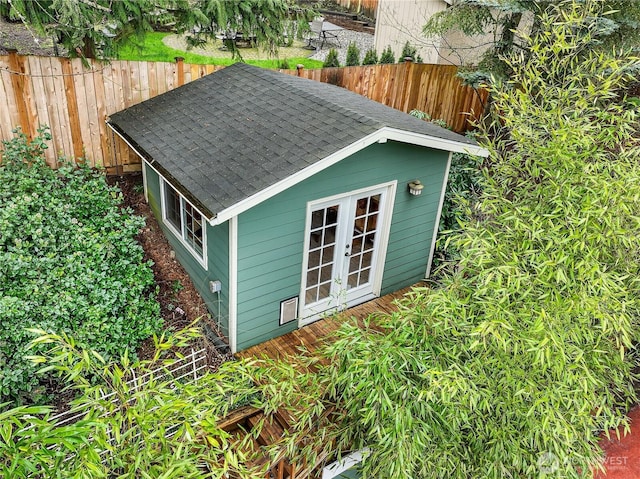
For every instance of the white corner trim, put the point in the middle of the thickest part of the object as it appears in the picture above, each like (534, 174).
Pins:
(379, 136)
(144, 181)
(438, 214)
(233, 284)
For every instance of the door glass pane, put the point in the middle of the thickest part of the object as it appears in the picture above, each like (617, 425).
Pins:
(317, 218)
(364, 276)
(330, 235)
(322, 238)
(312, 276)
(365, 233)
(366, 259)
(327, 254)
(311, 295)
(193, 227)
(314, 258)
(326, 273)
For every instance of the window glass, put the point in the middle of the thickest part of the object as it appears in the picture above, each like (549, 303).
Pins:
(193, 227)
(185, 219)
(173, 214)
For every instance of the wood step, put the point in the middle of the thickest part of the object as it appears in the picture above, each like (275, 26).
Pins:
(271, 431)
(237, 417)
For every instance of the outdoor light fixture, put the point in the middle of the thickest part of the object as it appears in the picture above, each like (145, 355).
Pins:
(415, 187)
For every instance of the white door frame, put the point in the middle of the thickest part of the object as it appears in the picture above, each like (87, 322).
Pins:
(388, 193)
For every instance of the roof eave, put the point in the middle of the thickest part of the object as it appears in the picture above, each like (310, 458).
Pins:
(160, 170)
(435, 142)
(379, 136)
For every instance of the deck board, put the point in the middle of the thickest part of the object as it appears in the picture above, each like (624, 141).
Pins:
(312, 335)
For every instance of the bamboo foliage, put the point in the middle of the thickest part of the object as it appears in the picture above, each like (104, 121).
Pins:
(517, 361)
(75, 99)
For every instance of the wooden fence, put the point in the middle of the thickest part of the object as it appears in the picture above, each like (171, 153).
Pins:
(75, 99)
(434, 89)
(365, 7)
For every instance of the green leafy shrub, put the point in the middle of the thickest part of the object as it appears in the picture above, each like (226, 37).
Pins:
(353, 55)
(69, 262)
(332, 59)
(370, 57)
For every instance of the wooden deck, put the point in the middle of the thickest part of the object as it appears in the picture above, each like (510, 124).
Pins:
(310, 337)
(268, 430)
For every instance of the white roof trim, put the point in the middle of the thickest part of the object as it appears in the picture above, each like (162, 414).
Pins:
(434, 142)
(382, 135)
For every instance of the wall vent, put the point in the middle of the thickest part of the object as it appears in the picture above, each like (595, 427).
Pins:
(288, 310)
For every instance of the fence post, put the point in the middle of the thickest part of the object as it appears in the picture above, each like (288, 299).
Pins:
(180, 67)
(299, 68)
(18, 75)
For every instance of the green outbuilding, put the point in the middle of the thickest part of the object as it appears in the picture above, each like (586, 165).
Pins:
(286, 199)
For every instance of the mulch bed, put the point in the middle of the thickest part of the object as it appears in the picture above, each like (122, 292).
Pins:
(180, 302)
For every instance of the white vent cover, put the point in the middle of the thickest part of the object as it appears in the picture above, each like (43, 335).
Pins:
(288, 310)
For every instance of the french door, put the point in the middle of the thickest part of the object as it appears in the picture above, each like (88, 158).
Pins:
(346, 240)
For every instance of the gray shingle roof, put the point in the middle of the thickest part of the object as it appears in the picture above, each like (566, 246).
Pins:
(231, 134)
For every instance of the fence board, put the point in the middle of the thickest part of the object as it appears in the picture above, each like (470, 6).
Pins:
(6, 123)
(75, 99)
(18, 80)
(63, 141)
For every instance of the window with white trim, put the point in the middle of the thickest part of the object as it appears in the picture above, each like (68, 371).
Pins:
(185, 221)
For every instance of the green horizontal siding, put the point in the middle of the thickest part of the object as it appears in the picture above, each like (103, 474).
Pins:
(271, 235)
(217, 260)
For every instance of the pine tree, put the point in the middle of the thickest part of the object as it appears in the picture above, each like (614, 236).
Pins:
(408, 51)
(370, 58)
(353, 55)
(332, 59)
(387, 56)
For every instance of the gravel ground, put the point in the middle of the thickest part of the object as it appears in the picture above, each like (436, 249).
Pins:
(364, 41)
